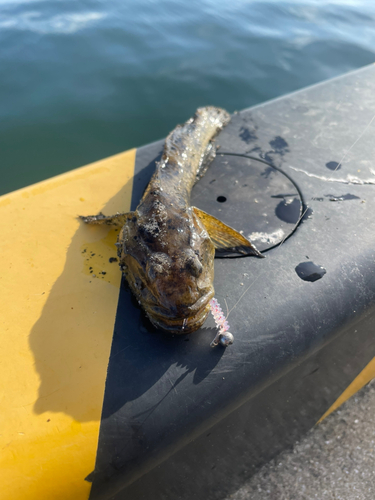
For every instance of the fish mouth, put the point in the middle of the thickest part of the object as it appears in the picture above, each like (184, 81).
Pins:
(198, 313)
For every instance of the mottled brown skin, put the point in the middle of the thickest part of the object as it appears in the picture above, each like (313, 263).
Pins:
(165, 251)
(168, 262)
(166, 247)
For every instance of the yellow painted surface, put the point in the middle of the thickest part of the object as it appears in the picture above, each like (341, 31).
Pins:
(366, 375)
(56, 327)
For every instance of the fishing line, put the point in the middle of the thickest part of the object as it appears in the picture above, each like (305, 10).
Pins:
(303, 214)
(355, 142)
(261, 274)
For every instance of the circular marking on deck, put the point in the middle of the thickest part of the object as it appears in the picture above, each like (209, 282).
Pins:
(251, 196)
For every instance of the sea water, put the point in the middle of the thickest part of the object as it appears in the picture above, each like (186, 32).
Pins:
(81, 80)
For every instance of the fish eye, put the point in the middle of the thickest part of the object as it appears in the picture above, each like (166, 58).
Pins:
(154, 270)
(159, 264)
(193, 265)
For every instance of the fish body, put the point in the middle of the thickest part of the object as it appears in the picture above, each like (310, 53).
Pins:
(166, 247)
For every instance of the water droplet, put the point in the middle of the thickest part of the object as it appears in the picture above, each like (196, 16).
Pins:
(332, 165)
(288, 210)
(342, 197)
(308, 271)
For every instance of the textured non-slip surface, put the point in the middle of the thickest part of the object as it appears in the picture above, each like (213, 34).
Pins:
(335, 461)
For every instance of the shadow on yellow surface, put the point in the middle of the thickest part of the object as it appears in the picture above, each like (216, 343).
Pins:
(76, 324)
(58, 326)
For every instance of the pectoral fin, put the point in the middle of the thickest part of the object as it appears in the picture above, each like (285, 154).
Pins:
(117, 220)
(225, 238)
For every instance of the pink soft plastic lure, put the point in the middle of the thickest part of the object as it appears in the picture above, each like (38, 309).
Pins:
(223, 336)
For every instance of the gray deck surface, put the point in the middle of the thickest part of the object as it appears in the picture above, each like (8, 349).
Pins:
(335, 460)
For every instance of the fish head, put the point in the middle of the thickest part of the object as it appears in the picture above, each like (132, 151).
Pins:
(169, 265)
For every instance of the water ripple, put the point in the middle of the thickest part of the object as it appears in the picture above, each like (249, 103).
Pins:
(83, 80)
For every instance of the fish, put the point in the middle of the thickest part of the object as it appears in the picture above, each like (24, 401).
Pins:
(166, 247)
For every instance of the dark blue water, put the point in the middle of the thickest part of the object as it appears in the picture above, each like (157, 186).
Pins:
(81, 80)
